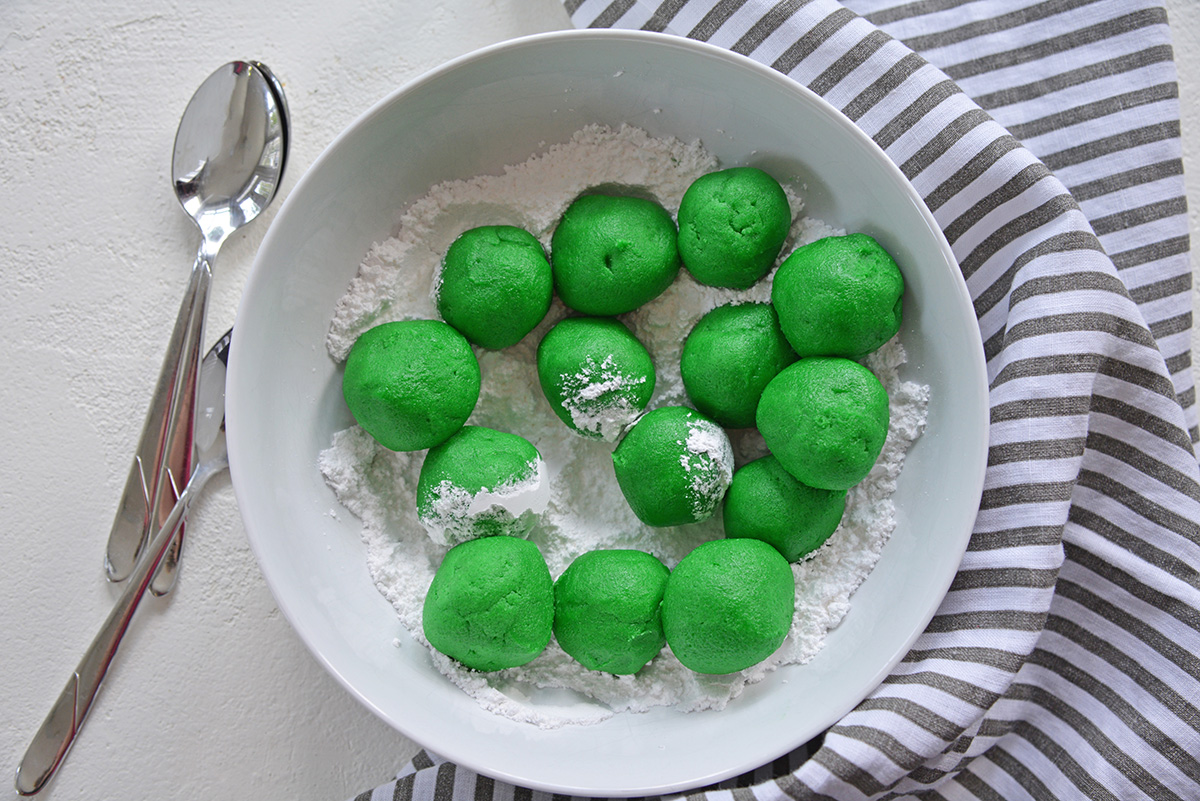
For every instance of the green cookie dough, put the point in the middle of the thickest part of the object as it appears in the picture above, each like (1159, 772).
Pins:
(612, 254)
(766, 503)
(495, 285)
(491, 604)
(838, 296)
(595, 374)
(728, 605)
(480, 483)
(729, 358)
(825, 419)
(674, 466)
(732, 224)
(608, 610)
(411, 384)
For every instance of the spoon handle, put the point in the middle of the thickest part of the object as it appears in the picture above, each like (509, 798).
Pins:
(164, 452)
(49, 746)
(181, 421)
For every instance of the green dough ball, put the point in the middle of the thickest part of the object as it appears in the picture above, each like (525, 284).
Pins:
(728, 605)
(766, 503)
(608, 610)
(491, 604)
(495, 285)
(732, 225)
(825, 419)
(480, 483)
(839, 296)
(411, 384)
(595, 374)
(612, 254)
(729, 358)
(674, 466)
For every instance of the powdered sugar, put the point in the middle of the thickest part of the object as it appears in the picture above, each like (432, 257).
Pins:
(585, 509)
(709, 463)
(454, 513)
(397, 278)
(598, 400)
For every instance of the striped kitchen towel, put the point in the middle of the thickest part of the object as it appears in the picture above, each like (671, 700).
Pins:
(1064, 662)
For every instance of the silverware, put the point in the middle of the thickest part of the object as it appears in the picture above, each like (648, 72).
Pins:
(229, 155)
(66, 717)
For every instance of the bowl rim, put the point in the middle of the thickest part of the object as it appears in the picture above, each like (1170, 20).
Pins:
(974, 372)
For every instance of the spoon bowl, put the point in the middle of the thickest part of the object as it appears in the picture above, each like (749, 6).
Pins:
(228, 159)
(225, 175)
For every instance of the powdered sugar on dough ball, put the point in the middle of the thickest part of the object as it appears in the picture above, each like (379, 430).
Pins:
(674, 466)
(589, 393)
(596, 375)
(481, 483)
(715, 471)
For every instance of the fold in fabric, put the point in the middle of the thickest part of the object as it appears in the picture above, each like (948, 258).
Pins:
(1065, 660)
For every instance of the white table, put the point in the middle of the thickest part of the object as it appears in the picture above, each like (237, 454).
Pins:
(213, 695)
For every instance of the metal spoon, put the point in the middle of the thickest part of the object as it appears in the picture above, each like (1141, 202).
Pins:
(230, 151)
(62, 724)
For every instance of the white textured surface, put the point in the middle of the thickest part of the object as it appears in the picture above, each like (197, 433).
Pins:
(213, 696)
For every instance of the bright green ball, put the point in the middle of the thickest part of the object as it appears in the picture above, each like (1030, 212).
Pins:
(732, 225)
(495, 285)
(612, 254)
(411, 384)
(608, 610)
(728, 605)
(478, 461)
(838, 296)
(673, 466)
(491, 604)
(595, 374)
(766, 503)
(729, 358)
(825, 419)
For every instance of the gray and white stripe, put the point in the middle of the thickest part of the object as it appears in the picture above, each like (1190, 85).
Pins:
(1091, 91)
(1044, 136)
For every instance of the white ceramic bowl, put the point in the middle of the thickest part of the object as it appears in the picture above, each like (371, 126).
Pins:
(472, 116)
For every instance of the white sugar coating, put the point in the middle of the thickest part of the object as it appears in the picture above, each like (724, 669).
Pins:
(598, 400)
(711, 474)
(454, 512)
(528, 494)
(586, 510)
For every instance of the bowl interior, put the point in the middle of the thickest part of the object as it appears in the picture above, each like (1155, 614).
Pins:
(474, 116)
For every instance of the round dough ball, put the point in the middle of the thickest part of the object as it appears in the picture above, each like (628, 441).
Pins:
(491, 604)
(608, 610)
(595, 374)
(411, 384)
(825, 419)
(728, 605)
(495, 285)
(479, 483)
(838, 296)
(674, 466)
(766, 503)
(729, 358)
(612, 254)
(732, 224)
